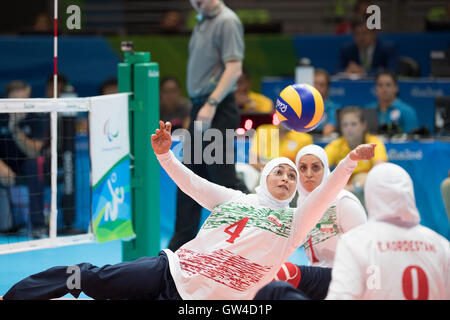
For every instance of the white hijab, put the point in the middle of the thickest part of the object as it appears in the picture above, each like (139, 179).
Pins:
(389, 195)
(264, 196)
(320, 153)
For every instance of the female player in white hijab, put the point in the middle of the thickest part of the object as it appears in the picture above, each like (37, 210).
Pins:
(238, 249)
(391, 256)
(344, 213)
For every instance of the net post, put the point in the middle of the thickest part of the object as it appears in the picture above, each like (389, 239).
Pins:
(137, 74)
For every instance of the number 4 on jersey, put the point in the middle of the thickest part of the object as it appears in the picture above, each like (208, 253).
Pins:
(238, 227)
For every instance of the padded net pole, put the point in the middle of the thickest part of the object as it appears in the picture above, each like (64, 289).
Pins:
(137, 74)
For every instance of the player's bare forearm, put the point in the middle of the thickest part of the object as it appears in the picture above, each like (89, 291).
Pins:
(232, 72)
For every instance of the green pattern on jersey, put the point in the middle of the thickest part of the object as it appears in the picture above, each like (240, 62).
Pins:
(326, 228)
(277, 221)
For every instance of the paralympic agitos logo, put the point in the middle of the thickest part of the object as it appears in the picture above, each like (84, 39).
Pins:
(110, 130)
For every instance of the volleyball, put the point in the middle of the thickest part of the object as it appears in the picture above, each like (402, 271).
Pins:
(300, 107)
(289, 272)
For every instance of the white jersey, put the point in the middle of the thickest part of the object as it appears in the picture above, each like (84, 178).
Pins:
(382, 261)
(345, 213)
(392, 256)
(244, 242)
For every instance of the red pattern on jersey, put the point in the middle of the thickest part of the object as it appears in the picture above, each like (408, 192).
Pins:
(223, 267)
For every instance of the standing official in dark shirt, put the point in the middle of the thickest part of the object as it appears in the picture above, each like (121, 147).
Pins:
(216, 52)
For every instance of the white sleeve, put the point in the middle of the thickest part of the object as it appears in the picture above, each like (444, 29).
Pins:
(350, 214)
(209, 195)
(447, 266)
(309, 213)
(347, 280)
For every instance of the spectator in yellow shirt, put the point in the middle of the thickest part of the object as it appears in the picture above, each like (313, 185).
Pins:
(248, 100)
(353, 128)
(271, 141)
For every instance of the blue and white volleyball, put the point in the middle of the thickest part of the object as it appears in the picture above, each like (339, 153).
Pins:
(300, 107)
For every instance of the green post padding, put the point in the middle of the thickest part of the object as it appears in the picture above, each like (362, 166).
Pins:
(137, 74)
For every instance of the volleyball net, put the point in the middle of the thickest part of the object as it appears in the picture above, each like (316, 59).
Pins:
(64, 171)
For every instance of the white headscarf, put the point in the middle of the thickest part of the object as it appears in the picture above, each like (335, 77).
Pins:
(264, 196)
(389, 195)
(320, 153)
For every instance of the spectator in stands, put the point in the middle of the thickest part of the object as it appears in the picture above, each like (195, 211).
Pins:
(271, 141)
(394, 115)
(172, 22)
(109, 86)
(62, 82)
(322, 84)
(24, 137)
(367, 54)
(17, 89)
(43, 23)
(173, 106)
(353, 128)
(359, 10)
(438, 18)
(268, 142)
(248, 100)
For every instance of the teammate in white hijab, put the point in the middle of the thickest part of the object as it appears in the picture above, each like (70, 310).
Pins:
(391, 256)
(344, 213)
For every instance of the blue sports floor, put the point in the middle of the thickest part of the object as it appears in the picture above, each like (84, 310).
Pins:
(16, 266)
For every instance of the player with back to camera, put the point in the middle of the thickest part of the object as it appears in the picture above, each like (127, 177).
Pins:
(391, 257)
(239, 248)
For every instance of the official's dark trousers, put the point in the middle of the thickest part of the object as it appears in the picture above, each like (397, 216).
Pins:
(188, 211)
(147, 278)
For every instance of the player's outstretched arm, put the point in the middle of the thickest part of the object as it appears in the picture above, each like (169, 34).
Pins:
(310, 212)
(207, 194)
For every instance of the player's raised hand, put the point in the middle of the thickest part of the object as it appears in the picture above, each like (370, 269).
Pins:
(161, 139)
(363, 152)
